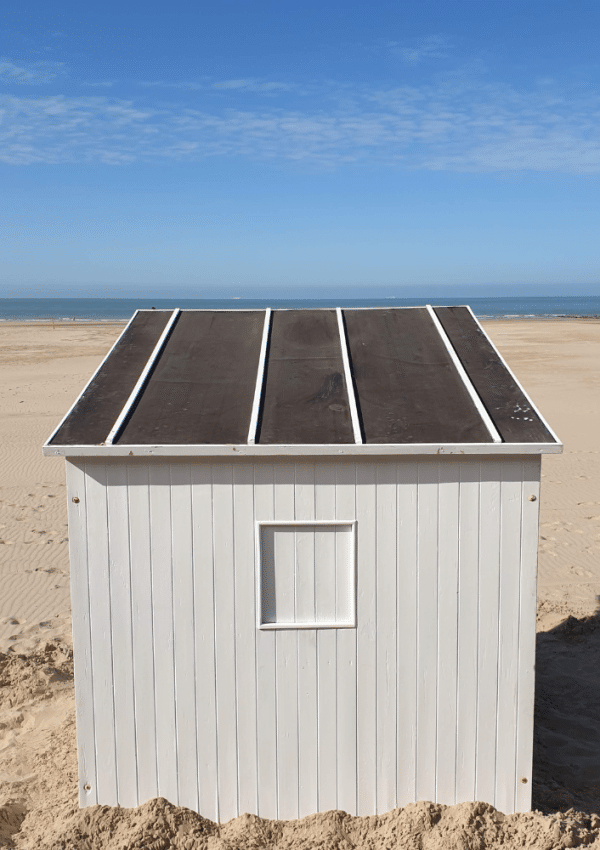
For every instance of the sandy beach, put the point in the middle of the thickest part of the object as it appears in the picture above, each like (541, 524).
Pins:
(44, 367)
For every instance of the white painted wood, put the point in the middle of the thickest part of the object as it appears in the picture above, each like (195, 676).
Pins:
(325, 624)
(464, 377)
(489, 594)
(121, 625)
(289, 596)
(138, 478)
(326, 641)
(82, 644)
(114, 431)
(101, 633)
(204, 607)
(245, 631)
(406, 558)
(386, 636)
(184, 628)
(346, 664)
(84, 390)
(162, 599)
(348, 378)
(366, 651)
(286, 659)
(468, 628)
(332, 451)
(260, 377)
(408, 705)
(527, 613)
(516, 380)
(309, 523)
(508, 630)
(266, 684)
(225, 643)
(427, 628)
(447, 617)
(306, 604)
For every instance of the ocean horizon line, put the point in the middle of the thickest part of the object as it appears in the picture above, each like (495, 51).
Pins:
(120, 309)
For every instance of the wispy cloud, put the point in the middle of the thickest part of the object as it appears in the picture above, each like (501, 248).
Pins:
(249, 84)
(29, 73)
(258, 86)
(459, 125)
(104, 84)
(183, 85)
(432, 47)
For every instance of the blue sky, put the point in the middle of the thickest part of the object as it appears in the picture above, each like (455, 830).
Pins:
(188, 147)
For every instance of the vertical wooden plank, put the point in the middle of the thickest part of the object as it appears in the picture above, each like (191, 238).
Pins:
(346, 666)
(206, 710)
(142, 632)
(120, 604)
(344, 560)
(162, 595)
(468, 628)
(245, 634)
(489, 588)
(225, 638)
(325, 574)
(386, 568)
(268, 583)
(407, 477)
(529, 551)
(304, 568)
(448, 633)
(366, 512)
(286, 666)
(307, 642)
(82, 647)
(427, 629)
(184, 633)
(508, 660)
(284, 572)
(266, 675)
(101, 633)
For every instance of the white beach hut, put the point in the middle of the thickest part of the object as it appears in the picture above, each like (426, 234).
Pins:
(303, 563)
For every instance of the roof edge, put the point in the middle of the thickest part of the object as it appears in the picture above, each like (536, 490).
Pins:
(274, 450)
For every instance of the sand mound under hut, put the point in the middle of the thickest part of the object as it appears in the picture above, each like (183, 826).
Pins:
(38, 782)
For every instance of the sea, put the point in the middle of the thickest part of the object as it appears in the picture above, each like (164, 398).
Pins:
(121, 309)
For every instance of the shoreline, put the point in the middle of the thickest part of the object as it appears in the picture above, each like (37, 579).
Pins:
(595, 318)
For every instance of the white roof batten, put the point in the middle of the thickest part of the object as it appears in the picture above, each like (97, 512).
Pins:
(142, 379)
(513, 376)
(83, 391)
(348, 375)
(260, 378)
(466, 380)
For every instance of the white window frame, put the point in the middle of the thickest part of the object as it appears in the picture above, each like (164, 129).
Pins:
(345, 624)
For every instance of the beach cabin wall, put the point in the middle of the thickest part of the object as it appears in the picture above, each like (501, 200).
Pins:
(187, 699)
(285, 628)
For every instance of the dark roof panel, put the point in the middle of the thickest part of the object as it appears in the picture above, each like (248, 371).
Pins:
(395, 376)
(305, 398)
(502, 397)
(202, 387)
(96, 411)
(409, 390)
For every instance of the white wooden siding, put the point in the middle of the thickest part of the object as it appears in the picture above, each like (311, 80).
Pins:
(179, 694)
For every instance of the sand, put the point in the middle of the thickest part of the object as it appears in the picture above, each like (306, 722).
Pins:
(43, 369)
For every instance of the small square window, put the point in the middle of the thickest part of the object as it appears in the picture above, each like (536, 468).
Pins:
(306, 575)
